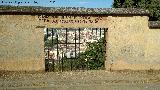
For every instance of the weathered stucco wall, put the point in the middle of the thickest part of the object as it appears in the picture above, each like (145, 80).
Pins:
(22, 39)
(152, 48)
(21, 44)
(126, 41)
(72, 21)
(130, 42)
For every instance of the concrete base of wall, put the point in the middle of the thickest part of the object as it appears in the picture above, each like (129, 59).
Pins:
(17, 65)
(121, 65)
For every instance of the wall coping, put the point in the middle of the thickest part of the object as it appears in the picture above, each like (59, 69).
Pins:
(154, 24)
(71, 10)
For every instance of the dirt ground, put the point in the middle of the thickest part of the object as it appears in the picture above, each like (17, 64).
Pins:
(81, 80)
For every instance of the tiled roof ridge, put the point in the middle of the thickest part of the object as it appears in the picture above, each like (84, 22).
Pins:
(154, 24)
(72, 10)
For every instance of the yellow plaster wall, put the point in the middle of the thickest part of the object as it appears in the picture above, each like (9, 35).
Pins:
(21, 44)
(130, 42)
(22, 39)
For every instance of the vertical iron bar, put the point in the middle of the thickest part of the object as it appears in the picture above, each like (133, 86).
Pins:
(57, 44)
(48, 52)
(105, 41)
(52, 49)
(79, 42)
(79, 46)
(96, 31)
(66, 43)
(82, 64)
(62, 62)
(66, 40)
(95, 61)
(100, 33)
(75, 46)
(105, 31)
(47, 43)
(92, 32)
(71, 60)
(75, 43)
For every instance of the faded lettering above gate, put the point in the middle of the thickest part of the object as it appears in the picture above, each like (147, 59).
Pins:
(69, 19)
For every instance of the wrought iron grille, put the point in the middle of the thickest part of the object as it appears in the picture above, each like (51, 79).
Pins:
(74, 49)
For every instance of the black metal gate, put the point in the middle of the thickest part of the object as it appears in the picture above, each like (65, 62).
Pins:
(74, 49)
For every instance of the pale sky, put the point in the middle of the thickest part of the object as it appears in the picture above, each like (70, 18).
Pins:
(60, 3)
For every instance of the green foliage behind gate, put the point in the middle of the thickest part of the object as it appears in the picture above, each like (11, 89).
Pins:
(94, 55)
(64, 53)
(92, 59)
